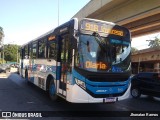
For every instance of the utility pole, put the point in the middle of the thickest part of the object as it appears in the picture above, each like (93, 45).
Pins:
(3, 56)
(139, 62)
(17, 54)
(1, 42)
(58, 13)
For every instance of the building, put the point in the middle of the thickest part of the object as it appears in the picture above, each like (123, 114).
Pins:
(146, 60)
(1, 38)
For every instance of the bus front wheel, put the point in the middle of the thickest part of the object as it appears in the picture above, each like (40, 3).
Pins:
(135, 92)
(52, 91)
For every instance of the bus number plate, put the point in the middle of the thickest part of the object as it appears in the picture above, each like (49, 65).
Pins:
(111, 99)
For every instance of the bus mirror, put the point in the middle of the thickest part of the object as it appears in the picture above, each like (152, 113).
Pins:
(74, 42)
(122, 50)
(76, 34)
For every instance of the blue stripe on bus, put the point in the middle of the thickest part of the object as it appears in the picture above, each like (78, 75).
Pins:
(107, 83)
(102, 87)
(78, 76)
(58, 73)
(107, 87)
(107, 90)
(46, 68)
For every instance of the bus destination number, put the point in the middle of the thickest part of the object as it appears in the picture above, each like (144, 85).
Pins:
(101, 28)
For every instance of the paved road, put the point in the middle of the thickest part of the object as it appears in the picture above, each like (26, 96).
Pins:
(17, 95)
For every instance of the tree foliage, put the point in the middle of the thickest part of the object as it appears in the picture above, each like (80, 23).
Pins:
(133, 49)
(10, 52)
(1, 36)
(154, 43)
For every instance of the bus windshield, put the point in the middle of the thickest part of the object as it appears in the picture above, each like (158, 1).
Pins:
(103, 54)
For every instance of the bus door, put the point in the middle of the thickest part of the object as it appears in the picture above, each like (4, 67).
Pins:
(21, 62)
(64, 58)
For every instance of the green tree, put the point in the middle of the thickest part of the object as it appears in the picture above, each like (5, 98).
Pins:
(10, 52)
(154, 43)
(1, 33)
(1, 38)
(133, 49)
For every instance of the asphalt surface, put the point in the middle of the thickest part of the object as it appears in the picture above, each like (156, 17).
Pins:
(17, 96)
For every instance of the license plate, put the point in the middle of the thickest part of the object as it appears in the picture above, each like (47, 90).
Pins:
(111, 99)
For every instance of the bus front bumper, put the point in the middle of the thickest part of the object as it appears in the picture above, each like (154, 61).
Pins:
(76, 94)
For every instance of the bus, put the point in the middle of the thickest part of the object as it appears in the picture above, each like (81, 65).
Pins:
(83, 61)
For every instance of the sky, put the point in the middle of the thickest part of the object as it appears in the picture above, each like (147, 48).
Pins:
(141, 43)
(25, 20)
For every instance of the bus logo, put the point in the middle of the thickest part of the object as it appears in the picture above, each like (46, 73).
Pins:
(101, 91)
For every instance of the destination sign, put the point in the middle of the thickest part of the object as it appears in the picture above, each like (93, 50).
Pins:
(100, 27)
(52, 37)
(98, 65)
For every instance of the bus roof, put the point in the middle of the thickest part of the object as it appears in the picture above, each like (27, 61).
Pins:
(76, 19)
(96, 20)
(47, 33)
(43, 35)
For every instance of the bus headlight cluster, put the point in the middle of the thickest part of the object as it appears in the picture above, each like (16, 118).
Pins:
(80, 83)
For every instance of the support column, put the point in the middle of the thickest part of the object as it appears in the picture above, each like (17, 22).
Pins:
(156, 67)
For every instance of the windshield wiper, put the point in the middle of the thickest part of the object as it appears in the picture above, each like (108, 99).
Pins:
(103, 46)
(99, 40)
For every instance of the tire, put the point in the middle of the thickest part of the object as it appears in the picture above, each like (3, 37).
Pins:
(135, 92)
(52, 91)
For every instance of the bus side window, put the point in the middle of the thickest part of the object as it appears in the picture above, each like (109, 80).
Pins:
(42, 49)
(34, 50)
(52, 52)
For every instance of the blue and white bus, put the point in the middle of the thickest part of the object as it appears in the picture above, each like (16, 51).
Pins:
(82, 61)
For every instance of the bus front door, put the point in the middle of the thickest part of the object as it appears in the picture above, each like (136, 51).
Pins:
(64, 63)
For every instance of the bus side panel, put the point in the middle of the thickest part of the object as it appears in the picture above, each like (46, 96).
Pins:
(43, 69)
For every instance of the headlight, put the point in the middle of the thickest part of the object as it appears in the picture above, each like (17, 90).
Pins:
(80, 83)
